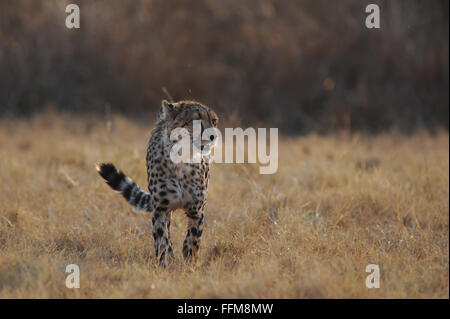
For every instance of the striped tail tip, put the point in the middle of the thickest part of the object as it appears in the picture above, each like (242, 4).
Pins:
(110, 174)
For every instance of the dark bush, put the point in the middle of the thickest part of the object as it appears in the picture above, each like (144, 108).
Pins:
(297, 65)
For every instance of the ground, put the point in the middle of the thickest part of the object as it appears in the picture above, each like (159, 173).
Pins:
(336, 204)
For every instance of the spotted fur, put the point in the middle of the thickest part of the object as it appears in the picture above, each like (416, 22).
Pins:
(171, 185)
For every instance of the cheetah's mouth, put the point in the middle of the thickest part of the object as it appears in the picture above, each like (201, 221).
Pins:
(204, 147)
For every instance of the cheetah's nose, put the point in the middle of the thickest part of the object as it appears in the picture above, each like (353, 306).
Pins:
(211, 137)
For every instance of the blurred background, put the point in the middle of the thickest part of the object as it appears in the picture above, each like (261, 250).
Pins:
(299, 65)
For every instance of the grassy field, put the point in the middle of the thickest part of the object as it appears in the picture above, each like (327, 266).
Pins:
(336, 204)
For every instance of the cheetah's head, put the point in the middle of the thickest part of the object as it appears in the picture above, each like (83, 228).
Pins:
(198, 119)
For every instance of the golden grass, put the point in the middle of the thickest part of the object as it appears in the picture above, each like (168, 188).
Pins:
(336, 204)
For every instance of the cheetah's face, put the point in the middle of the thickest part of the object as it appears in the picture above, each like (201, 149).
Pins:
(185, 114)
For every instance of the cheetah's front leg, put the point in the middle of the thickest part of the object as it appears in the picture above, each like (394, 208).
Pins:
(161, 226)
(191, 243)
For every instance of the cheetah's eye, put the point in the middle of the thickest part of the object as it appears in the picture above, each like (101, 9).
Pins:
(214, 122)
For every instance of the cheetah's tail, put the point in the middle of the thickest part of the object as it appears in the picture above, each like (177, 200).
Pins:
(125, 186)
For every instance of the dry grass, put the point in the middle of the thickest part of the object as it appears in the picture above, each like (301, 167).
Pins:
(336, 204)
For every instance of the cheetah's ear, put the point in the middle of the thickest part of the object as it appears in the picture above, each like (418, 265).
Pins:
(167, 109)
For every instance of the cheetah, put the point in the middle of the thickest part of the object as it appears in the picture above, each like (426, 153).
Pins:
(171, 185)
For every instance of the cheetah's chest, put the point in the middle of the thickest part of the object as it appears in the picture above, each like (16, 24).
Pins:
(193, 181)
